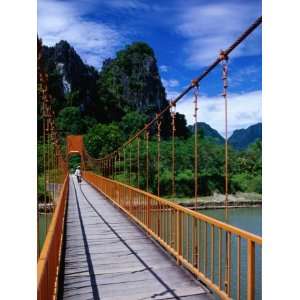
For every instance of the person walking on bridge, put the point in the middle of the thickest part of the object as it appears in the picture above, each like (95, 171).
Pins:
(78, 174)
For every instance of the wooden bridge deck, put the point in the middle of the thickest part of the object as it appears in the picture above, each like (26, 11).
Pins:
(109, 257)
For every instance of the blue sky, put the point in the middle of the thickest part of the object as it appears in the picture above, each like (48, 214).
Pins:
(185, 35)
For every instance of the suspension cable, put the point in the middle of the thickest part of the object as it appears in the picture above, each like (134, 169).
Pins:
(158, 155)
(138, 162)
(52, 162)
(224, 63)
(241, 38)
(194, 231)
(196, 95)
(109, 167)
(220, 59)
(115, 165)
(124, 157)
(44, 159)
(48, 167)
(147, 158)
(173, 116)
(129, 164)
(51, 168)
(119, 167)
(106, 172)
(56, 168)
(44, 131)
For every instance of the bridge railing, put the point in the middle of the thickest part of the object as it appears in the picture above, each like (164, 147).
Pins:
(49, 259)
(219, 254)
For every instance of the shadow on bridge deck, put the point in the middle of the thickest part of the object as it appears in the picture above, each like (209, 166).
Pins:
(108, 257)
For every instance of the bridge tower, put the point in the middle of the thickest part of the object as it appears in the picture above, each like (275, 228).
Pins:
(75, 146)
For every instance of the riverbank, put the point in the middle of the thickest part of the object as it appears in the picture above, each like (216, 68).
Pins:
(217, 201)
(46, 207)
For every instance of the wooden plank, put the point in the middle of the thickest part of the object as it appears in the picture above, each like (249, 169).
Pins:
(108, 257)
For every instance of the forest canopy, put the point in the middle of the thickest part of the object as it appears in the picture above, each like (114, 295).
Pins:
(109, 106)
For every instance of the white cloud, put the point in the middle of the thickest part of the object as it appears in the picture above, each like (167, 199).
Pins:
(163, 68)
(64, 21)
(248, 74)
(126, 4)
(243, 110)
(170, 83)
(211, 27)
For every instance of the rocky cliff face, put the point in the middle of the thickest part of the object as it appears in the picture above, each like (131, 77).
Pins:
(69, 74)
(131, 81)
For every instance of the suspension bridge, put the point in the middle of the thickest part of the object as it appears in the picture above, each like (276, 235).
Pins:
(110, 237)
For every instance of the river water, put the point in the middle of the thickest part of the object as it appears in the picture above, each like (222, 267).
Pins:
(44, 222)
(249, 219)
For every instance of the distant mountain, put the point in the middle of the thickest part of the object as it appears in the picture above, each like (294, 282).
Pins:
(208, 131)
(242, 138)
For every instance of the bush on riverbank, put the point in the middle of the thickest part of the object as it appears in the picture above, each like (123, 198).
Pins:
(244, 167)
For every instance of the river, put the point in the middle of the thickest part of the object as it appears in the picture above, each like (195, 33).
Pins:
(43, 220)
(245, 218)
(249, 219)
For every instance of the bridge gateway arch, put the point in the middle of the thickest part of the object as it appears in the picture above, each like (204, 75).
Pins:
(75, 146)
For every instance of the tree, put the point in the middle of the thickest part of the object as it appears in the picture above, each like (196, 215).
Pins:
(72, 98)
(132, 122)
(181, 128)
(69, 121)
(103, 139)
(88, 122)
(74, 161)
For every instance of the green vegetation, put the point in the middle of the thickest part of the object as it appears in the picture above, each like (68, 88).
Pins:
(74, 162)
(132, 122)
(103, 139)
(45, 161)
(70, 121)
(109, 106)
(247, 176)
(244, 167)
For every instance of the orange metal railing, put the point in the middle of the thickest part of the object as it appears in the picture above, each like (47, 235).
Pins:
(219, 254)
(49, 259)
